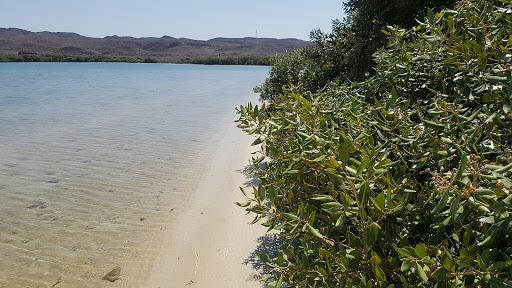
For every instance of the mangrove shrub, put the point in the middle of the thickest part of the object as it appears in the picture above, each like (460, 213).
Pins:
(403, 179)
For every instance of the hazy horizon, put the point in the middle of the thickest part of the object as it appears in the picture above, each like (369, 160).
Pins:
(201, 20)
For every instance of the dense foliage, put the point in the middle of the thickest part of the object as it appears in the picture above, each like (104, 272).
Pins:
(221, 60)
(71, 58)
(345, 54)
(231, 60)
(367, 19)
(401, 180)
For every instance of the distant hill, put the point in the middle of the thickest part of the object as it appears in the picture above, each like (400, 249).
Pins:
(13, 41)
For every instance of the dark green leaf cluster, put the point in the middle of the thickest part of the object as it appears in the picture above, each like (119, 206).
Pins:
(404, 179)
(346, 53)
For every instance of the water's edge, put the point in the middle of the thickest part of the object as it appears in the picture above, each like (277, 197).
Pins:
(96, 158)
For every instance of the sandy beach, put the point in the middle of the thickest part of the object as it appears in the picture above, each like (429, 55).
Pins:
(210, 243)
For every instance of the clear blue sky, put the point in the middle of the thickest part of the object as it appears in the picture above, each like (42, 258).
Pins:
(198, 19)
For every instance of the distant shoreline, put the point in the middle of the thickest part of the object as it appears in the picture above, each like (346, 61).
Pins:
(253, 60)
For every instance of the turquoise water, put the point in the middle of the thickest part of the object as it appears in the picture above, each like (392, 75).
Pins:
(94, 158)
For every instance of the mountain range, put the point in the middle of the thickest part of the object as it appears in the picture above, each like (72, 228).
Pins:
(14, 41)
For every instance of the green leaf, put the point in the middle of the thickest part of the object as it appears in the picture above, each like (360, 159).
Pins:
(405, 266)
(494, 78)
(454, 207)
(345, 151)
(372, 233)
(432, 123)
(379, 273)
(323, 198)
(442, 202)
(290, 216)
(507, 104)
(339, 222)
(244, 204)
(262, 193)
(394, 96)
(303, 101)
(272, 123)
(312, 217)
(485, 241)
(451, 25)
(379, 202)
(263, 257)
(421, 273)
(468, 234)
(320, 158)
(446, 140)
(504, 169)
(257, 142)
(331, 205)
(487, 220)
(499, 283)
(351, 170)
(398, 209)
(279, 282)
(404, 253)
(421, 250)
(462, 166)
(362, 166)
(314, 231)
(500, 265)
(363, 194)
(272, 194)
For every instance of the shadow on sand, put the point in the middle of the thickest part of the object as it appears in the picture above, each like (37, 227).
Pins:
(269, 244)
(250, 172)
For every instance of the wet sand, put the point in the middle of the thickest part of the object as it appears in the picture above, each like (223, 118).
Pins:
(211, 242)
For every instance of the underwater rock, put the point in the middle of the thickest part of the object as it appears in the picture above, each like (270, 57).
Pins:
(52, 181)
(113, 275)
(41, 204)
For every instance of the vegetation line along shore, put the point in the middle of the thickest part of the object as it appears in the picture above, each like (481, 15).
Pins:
(386, 149)
(211, 60)
(18, 45)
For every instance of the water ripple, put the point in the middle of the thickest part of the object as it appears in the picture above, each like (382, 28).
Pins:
(93, 157)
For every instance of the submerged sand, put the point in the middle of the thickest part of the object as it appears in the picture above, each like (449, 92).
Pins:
(110, 170)
(202, 239)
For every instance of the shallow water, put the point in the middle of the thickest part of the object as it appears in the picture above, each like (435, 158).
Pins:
(95, 158)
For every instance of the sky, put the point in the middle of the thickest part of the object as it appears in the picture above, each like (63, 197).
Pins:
(196, 19)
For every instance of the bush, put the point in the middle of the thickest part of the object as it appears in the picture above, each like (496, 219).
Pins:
(345, 54)
(401, 180)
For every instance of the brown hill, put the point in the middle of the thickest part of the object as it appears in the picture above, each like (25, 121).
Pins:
(13, 40)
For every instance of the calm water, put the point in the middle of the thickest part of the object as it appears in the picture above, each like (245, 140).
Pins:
(95, 158)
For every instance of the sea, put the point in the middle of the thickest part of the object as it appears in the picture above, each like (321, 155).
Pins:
(96, 158)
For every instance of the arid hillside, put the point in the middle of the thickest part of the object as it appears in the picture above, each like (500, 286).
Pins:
(13, 41)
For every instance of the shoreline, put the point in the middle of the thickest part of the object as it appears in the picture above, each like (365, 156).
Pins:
(228, 60)
(131, 63)
(209, 244)
(97, 196)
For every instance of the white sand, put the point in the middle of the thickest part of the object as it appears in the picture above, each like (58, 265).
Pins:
(208, 244)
